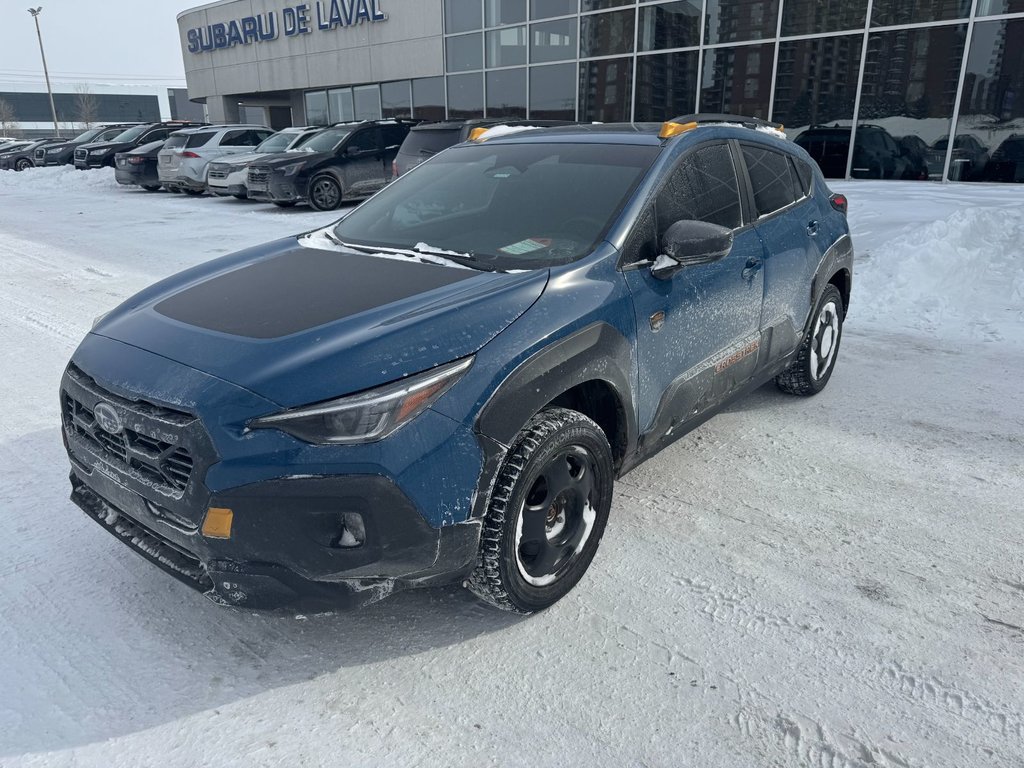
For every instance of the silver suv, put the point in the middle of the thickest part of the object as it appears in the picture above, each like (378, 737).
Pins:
(182, 163)
(227, 176)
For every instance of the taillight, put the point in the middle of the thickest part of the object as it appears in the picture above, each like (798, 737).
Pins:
(394, 169)
(840, 203)
(136, 160)
(190, 155)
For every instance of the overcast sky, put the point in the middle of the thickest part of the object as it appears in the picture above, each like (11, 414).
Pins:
(100, 41)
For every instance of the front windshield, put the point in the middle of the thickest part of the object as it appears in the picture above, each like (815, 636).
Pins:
(279, 142)
(131, 134)
(512, 206)
(83, 137)
(326, 140)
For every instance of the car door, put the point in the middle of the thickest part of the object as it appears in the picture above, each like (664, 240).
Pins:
(788, 222)
(697, 331)
(362, 162)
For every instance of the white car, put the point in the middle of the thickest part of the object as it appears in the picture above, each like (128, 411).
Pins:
(182, 163)
(227, 176)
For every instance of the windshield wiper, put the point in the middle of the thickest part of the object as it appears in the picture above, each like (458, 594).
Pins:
(411, 253)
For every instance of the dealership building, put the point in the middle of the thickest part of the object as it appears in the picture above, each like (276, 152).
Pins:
(918, 70)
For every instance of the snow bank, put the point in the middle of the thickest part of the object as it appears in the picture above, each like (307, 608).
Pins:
(959, 277)
(61, 178)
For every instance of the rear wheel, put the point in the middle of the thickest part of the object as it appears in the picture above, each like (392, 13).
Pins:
(810, 372)
(325, 193)
(547, 513)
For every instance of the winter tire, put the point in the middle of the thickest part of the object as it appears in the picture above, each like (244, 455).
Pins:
(325, 193)
(547, 513)
(810, 372)
(23, 165)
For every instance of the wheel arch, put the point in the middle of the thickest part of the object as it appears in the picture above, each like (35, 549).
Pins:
(590, 371)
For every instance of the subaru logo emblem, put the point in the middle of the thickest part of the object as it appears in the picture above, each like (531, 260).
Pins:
(107, 418)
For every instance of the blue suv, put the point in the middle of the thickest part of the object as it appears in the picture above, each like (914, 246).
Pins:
(443, 385)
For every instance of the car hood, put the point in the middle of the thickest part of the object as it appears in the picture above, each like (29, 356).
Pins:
(298, 324)
(241, 159)
(107, 145)
(280, 159)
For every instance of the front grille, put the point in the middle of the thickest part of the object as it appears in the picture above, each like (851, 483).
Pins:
(81, 154)
(218, 173)
(259, 176)
(148, 448)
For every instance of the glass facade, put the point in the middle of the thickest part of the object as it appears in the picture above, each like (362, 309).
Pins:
(873, 90)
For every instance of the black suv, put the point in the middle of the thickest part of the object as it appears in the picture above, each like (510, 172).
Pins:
(63, 152)
(21, 159)
(101, 154)
(1007, 163)
(876, 155)
(427, 139)
(347, 161)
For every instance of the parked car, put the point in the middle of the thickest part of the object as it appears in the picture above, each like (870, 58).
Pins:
(444, 385)
(138, 167)
(915, 151)
(968, 162)
(427, 139)
(875, 153)
(101, 154)
(63, 152)
(348, 161)
(227, 177)
(1007, 163)
(183, 161)
(20, 159)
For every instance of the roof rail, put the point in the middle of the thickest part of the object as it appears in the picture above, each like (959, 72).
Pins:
(685, 123)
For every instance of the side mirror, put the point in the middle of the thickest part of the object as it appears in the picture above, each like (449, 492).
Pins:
(687, 243)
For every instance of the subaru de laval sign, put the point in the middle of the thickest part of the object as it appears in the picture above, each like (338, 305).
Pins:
(302, 19)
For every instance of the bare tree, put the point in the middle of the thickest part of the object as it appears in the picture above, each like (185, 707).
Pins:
(8, 119)
(86, 105)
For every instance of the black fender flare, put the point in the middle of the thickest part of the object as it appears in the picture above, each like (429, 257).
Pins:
(838, 258)
(597, 352)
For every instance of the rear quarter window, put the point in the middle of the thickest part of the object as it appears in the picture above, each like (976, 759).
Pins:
(199, 139)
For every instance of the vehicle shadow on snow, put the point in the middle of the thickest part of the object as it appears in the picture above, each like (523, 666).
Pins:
(114, 646)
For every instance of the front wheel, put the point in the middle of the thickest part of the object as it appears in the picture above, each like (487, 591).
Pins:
(23, 165)
(547, 514)
(810, 372)
(325, 193)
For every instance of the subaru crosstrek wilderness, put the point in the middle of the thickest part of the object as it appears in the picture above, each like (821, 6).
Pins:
(443, 385)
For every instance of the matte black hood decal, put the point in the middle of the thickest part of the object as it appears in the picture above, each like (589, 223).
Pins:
(302, 289)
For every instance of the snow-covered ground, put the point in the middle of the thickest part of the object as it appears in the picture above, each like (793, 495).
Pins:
(834, 582)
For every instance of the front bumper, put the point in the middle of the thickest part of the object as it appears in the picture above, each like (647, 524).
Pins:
(292, 503)
(274, 187)
(286, 545)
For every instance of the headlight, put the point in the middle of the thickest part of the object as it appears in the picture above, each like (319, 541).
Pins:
(370, 415)
(54, 151)
(98, 152)
(292, 169)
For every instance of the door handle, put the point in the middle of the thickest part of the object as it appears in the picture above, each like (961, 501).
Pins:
(752, 268)
(812, 228)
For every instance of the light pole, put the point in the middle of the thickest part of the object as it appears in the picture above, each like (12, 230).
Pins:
(46, 72)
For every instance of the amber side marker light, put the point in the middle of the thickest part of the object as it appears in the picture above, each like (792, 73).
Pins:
(218, 523)
(670, 129)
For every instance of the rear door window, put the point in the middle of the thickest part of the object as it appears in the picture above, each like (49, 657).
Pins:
(363, 141)
(772, 177)
(394, 135)
(428, 142)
